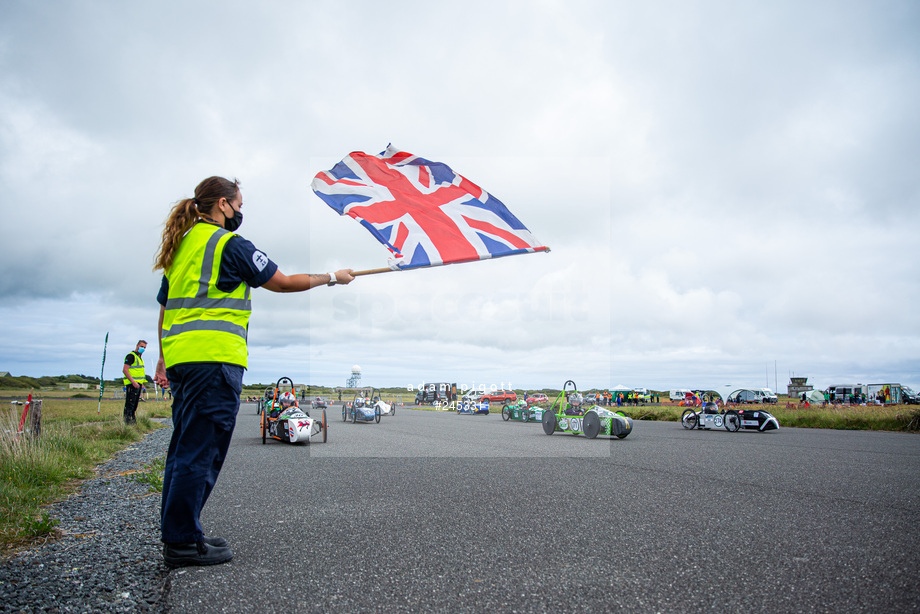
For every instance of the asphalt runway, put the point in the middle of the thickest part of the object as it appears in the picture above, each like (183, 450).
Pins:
(438, 512)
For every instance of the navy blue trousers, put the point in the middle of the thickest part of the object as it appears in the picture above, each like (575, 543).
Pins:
(206, 400)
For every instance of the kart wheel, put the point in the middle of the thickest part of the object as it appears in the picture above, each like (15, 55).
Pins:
(689, 419)
(549, 422)
(591, 425)
(732, 421)
(325, 427)
(263, 419)
(506, 412)
(354, 415)
(377, 415)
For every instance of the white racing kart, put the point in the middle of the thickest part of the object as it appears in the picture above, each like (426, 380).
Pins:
(732, 420)
(284, 420)
(386, 409)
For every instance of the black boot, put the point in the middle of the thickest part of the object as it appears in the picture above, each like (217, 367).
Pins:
(195, 554)
(220, 542)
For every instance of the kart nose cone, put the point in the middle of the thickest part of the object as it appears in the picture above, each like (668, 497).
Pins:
(622, 427)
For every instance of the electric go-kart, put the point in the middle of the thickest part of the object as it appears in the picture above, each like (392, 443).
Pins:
(361, 409)
(386, 409)
(284, 420)
(266, 399)
(569, 415)
(472, 404)
(709, 416)
(522, 411)
(319, 403)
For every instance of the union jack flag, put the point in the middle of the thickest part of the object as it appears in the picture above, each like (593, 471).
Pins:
(422, 211)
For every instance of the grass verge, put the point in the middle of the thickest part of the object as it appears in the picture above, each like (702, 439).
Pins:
(35, 472)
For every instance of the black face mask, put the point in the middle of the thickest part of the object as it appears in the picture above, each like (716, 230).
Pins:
(232, 223)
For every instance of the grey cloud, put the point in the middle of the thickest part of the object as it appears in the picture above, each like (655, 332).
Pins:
(722, 185)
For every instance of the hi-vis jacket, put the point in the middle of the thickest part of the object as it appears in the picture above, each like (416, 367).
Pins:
(137, 371)
(200, 322)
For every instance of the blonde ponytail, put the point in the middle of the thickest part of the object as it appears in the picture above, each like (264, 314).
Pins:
(181, 219)
(186, 213)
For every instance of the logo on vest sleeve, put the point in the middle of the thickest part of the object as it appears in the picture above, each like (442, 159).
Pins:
(259, 259)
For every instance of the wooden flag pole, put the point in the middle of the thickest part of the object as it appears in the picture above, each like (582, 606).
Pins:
(372, 271)
(389, 270)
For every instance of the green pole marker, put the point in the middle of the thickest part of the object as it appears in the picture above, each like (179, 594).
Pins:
(101, 373)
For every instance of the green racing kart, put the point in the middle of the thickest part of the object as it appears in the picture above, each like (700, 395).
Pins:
(520, 410)
(569, 415)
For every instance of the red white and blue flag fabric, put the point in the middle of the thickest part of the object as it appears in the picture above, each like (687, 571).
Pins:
(424, 212)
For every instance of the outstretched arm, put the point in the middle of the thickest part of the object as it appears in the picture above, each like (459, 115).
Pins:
(280, 282)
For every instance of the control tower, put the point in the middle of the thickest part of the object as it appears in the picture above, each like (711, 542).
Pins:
(797, 386)
(355, 378)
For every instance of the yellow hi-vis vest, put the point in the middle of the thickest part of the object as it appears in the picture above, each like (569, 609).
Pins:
(201, 323)
(137, 371)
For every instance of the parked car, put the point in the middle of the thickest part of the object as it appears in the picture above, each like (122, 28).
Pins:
(909, 396)
(642, 395)
(440, 392)
(499, 396)
(751, 395)
(537, 397)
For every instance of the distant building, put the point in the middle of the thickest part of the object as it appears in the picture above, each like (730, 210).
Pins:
(797, 386)
(79, 386)
(5, 374)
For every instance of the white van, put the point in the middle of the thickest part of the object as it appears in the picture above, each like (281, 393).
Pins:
(679, 394)
(752, 395)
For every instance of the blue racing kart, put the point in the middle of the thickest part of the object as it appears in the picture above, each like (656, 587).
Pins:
(472, 404)
(361, 409)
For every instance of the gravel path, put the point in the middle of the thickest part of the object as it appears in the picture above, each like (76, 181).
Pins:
(109, 557)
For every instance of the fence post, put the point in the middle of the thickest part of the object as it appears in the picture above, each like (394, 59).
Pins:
(36, 424)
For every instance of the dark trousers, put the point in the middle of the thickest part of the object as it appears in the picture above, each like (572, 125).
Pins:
(206, 400)
(132, 395)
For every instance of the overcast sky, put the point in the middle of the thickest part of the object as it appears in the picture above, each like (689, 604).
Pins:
(730, 189)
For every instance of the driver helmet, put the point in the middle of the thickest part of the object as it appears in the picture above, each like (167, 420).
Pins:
(576, 399)
(288, 399)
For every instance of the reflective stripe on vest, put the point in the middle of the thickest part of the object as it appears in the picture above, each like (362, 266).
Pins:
(137, 371)
(201, 323)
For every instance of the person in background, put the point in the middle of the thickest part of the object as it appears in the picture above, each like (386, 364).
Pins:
(209, 273)
(134, 380)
